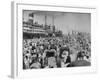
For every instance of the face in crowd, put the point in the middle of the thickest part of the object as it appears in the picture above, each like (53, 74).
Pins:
(64, 54)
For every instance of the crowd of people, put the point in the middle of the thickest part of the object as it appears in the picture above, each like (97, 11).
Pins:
(54, 52)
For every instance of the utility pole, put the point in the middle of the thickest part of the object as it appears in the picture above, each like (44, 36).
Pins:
(45, 21)
(53, 20)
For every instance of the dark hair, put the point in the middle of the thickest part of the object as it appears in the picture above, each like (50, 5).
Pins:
(64, 49)
(80, 54)
(34, 53)
(27, 51)
(26, 57)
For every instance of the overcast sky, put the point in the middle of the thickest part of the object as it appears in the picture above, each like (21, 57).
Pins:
(64, 21)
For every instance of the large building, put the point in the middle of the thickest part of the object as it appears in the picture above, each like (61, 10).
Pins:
(34, 29)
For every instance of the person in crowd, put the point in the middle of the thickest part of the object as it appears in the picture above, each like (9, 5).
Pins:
(65, 58)
(35, 49)
(26, 60)
(80, 55)
(34, 63)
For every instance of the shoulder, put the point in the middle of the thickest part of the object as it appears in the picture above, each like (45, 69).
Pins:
(68, 59)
